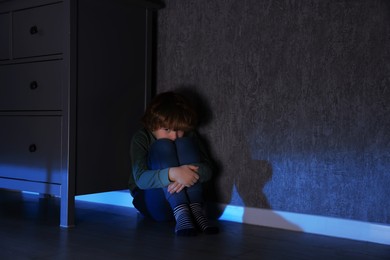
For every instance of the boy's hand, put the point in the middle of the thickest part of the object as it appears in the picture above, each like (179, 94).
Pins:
(185, 175)
(175, 187)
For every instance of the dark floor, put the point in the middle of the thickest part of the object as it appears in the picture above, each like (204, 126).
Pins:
(29, 230)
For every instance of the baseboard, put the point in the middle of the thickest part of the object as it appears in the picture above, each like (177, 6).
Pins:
(334, 227)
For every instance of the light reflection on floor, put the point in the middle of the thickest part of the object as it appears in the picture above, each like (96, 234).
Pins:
(117, 198)
(123, 198)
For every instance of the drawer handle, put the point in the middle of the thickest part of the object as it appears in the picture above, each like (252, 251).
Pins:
(33, 30)
(33, 85)
(32, 148)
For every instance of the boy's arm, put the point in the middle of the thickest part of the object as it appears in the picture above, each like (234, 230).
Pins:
(143, 177)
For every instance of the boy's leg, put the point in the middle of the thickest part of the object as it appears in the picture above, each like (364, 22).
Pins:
(152, 203)
(163, 154)
(195, 197)
(181, 210)
(188, 152)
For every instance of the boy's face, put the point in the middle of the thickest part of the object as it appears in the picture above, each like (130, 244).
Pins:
(168, 133)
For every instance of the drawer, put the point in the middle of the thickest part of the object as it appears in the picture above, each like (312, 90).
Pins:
(38, 31)
(31, 86)
(30, 148)
(4, 36)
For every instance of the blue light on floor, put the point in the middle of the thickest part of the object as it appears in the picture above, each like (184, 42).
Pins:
(233, 213)
(124, 199)
(117, 198)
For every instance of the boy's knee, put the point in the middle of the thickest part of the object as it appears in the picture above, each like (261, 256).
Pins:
(162, 154)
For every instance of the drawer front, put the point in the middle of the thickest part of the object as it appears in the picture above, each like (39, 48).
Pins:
(4, 36)
(30, 148)
(31, 86)
(38, 31)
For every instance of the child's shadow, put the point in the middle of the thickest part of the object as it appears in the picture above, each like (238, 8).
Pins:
(244, 191)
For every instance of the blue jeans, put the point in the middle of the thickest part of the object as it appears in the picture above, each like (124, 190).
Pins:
(158, 204)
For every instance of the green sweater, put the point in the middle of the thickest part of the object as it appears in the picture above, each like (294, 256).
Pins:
(144, 178)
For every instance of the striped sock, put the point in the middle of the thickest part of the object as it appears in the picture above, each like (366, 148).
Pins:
(184, 224)
(201, 220)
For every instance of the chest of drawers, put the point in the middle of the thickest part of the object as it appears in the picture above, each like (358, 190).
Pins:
(74, 81)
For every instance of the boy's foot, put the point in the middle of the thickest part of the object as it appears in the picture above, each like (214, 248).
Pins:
(201, 220)
(184, 224)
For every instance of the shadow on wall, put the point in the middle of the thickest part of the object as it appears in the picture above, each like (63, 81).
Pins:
(246, 193)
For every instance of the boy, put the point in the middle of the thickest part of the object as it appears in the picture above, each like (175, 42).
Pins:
(169, 165)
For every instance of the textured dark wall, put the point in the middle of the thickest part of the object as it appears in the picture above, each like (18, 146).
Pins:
(295, 95)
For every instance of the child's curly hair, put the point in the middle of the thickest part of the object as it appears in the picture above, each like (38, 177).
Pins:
(170, 110)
